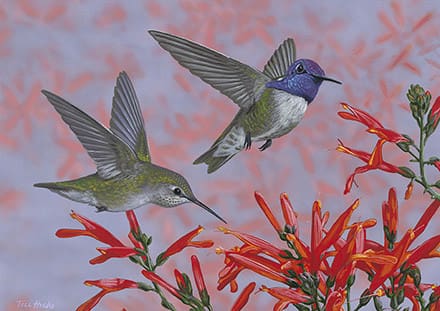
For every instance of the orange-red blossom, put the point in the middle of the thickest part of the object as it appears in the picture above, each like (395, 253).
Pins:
(107, 286)
(282, 265)
(373, 160)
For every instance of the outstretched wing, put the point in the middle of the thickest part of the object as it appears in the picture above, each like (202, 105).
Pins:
(111, 155)
(232, 78)
(281, 60)
(127, 122)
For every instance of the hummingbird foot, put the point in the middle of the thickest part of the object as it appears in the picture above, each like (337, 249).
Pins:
(247, 141)
(266, 145)
(101, 209)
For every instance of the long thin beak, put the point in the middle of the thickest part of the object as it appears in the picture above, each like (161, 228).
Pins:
(202, 205)
(327, 79)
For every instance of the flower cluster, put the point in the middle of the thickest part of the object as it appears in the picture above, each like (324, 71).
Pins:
(316, 275)
(138, 253)
(427, 118)
(373, 160)
(320, 275)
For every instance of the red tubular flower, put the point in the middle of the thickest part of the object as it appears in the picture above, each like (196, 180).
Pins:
(289, 214)
(373, 160)
(437, 164)
(427, 249)
(427, 216)
(243, 298)
(260, 265)
(267, 211)
(180, 280)
(344, 262)
(183, 242)
(358, 115)
(400, 252)
(92, 229)
(153, 277)
(303, 249)
(108, 286)
(409, 190)
(390, 218)
(112, 252)
(434, 113)
(387, 135)
(333, 234)
(200, 282)
(228, 275)
(335, 300)
(259, 244)
(317, 226)
(132, 220)
(285, 296)
(369, 121)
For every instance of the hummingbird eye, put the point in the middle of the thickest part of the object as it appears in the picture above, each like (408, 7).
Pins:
(177, 191)
(299, 69)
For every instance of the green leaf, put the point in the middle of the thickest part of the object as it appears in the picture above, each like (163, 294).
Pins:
(377, 303)
(400, 296)
(415, 274)
(351, 280)
(365, 298)
(406, 172)
(205, 298)
(404, 146)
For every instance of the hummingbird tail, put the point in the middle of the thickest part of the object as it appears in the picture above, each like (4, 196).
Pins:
(48, 185)
(213, 162)
(230, 142)
(67, 190)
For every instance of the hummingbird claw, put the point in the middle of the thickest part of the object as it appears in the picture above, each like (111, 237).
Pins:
(101, 209)
(247, 141)
(266, 145)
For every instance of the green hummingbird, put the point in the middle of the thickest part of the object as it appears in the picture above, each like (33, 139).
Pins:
(125, 178)
(272, 102)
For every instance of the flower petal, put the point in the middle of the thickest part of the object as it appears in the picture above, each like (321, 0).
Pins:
(183, 242)
(243, 298)
(359, 116)
(262, 266)
(268, 212)
(92, 229)
(112, 252)
(388, 135)
(132, 220)
(200, 282)
(153, 277)
(290, 217)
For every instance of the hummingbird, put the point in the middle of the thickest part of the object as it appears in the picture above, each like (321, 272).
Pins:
(271, 102)
(125, 178)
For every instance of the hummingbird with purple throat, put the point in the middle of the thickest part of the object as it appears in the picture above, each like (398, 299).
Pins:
(272, 102)
(125, 178)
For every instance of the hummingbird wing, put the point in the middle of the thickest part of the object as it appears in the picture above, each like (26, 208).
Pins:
(281, 60)
(127, 122)
(232, 78)
(111, 155)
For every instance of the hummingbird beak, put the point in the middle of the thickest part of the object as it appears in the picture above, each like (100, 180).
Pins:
(326, 79)
(202, 205)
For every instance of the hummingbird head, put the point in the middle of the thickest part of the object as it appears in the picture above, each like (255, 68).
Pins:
(174, 190)
(303, 78)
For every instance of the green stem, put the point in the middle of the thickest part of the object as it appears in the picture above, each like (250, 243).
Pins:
(165, 302)
(421, 159)
(348, 299)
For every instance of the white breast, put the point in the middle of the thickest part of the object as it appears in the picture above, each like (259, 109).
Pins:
(289, 110)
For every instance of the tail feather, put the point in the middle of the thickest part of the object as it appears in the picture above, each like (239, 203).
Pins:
(68, 190)
(213, 162)
(50, 185)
